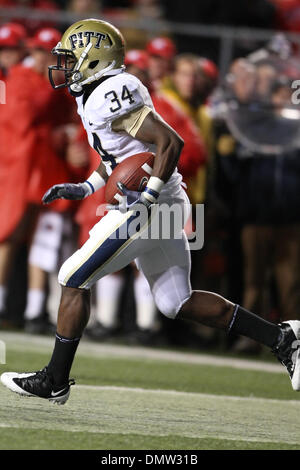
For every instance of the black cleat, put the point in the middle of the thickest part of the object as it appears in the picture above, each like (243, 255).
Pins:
(287, 350)
(37, 384)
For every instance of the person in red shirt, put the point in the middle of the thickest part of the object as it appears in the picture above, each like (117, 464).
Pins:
(12, 41)
(33, 143)
(288, 15)
(31, 23)
(161, 51)
(208, 75)
(137, 62)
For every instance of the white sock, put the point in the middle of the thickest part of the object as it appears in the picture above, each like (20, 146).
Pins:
(108, 295)
(145, 306)
(35, 303)
(3, 292)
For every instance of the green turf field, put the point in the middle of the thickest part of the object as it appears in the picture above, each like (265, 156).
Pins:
(138, 398)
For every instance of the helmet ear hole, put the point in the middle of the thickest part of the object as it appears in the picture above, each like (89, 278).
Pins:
(93, 64)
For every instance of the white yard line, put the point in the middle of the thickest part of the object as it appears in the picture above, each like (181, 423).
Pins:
(20, 341)
(114, 388)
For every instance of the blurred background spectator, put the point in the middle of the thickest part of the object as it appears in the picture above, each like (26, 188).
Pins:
(252, 215)
(161, 52)
(257, 177)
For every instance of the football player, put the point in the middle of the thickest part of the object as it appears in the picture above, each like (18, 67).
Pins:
(120, 121)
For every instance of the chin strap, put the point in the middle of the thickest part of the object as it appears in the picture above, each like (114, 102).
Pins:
(83, 56)
(77, 87)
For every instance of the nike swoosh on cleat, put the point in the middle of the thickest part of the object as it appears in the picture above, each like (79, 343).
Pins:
(54, 394)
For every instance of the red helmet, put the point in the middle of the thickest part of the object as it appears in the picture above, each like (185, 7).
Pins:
(162, 47)
(209, 68)
(12, 35)
(45, 38)
(138, 58)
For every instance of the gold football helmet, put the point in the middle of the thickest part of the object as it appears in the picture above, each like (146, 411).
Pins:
(88, 50)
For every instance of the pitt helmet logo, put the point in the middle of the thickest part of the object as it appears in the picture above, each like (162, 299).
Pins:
(82, 39)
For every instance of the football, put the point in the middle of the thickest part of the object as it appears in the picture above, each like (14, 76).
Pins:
(134, 173)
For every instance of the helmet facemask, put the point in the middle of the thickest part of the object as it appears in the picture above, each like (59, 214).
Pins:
(66, 62)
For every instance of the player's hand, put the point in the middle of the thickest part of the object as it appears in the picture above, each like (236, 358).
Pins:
(70, 191)
(133, 198)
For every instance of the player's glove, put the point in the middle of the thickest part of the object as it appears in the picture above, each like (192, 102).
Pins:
(67, 191)
(77, 191)
(132, 198)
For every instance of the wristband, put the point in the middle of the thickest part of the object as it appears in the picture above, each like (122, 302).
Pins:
(155, 183)
(153, 188)
(94, 182)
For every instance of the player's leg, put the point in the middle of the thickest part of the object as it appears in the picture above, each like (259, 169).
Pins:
(215, 311)
(167, 268)
(175, 299)
(52, 382)
(108, 249)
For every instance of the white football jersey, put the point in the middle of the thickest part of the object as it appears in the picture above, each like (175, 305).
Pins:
(114, 98)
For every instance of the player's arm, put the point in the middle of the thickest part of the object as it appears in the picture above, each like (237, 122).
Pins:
(154, 130)
(146, 125)
(97, 179)
(102, 172)
(78, 191)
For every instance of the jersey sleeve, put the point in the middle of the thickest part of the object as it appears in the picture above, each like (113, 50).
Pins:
(120, 96)
(132, 121)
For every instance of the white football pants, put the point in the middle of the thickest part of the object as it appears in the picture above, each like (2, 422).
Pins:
(165, 262)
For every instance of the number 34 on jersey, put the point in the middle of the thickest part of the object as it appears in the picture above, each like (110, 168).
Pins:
(112, 101)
